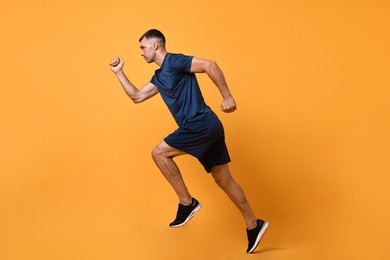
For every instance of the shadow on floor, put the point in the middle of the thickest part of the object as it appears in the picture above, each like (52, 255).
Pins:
(267, 249)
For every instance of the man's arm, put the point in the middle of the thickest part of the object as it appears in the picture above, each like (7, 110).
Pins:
(138, 96)
(216, 75)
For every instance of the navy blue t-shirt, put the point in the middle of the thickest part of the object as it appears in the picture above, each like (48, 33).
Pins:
(180, 90)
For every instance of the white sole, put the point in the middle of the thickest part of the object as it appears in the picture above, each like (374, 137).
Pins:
(259, 236)
(189, 216)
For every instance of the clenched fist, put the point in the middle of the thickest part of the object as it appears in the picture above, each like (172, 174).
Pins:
(116, 64)
(228, 105)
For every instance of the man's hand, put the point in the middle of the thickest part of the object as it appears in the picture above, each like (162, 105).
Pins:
(228, 105)
(116, 64)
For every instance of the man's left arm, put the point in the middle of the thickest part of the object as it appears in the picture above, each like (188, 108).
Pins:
(216, 75)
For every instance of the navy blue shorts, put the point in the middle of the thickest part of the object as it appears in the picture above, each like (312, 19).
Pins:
(203, 139)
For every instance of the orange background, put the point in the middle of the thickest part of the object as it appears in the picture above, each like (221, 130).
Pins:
(309, 141)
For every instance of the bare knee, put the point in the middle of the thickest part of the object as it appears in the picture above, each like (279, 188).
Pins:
(162, 150)
(220, 182)
(157, 152)
(223, 179)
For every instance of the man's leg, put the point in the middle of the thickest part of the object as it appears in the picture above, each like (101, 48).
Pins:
(224, 179)
(188, 206)
(255, 227)
(163, 155)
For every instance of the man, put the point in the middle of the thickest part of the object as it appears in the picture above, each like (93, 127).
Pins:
(200, 132)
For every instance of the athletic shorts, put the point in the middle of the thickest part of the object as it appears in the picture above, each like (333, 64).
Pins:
(203, 139)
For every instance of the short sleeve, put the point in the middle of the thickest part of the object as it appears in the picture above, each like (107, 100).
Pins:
(154, 80)
(180, 62)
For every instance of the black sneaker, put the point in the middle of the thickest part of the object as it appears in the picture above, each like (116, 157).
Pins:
(255, 235)
(185, 213)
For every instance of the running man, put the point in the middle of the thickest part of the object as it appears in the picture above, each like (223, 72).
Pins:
(200, 132)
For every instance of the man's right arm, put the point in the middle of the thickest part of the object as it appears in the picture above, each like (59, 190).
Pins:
(216, 75)
(137, 96)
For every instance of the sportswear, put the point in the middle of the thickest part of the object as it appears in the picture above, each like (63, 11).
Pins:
(200, 132)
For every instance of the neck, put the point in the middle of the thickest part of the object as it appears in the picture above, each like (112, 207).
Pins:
(160, 57)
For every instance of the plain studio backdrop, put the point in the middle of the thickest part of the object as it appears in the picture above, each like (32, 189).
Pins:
(309, 141)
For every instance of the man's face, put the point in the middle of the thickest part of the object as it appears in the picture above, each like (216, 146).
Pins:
(148, 50)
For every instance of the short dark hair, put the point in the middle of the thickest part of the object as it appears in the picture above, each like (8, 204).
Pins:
(153, 33)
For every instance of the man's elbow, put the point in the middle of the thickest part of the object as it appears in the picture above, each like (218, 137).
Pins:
(211, 66)
(137, 99)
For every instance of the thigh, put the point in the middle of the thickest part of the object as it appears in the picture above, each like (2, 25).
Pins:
(167, 150)
(196, 138)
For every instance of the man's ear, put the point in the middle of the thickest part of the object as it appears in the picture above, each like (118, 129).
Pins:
(155, 45)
